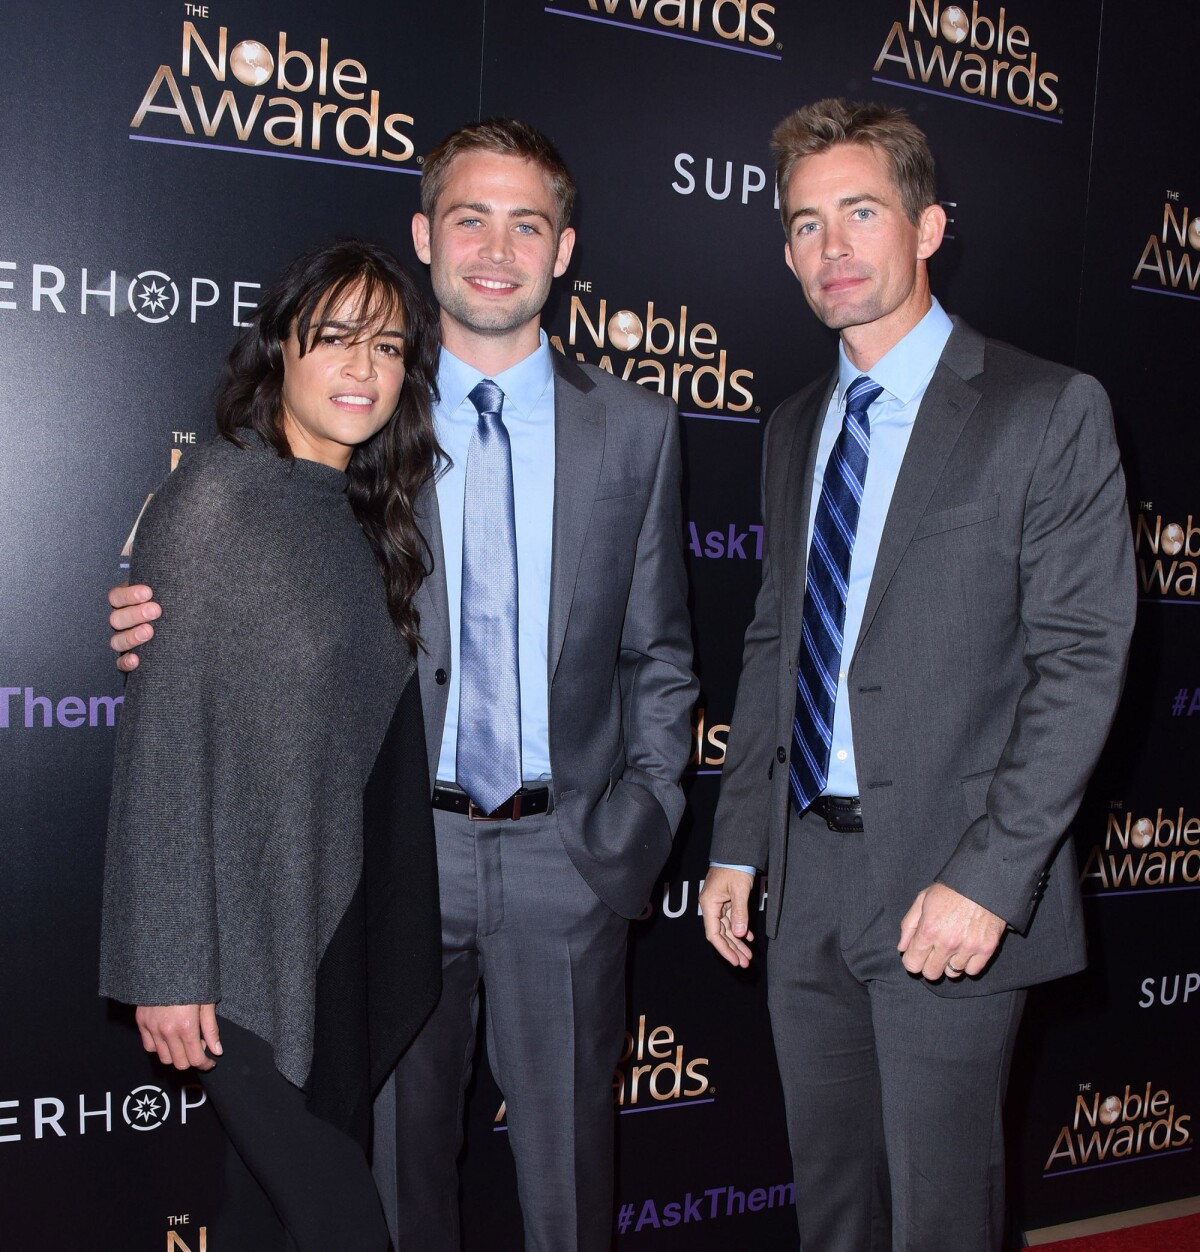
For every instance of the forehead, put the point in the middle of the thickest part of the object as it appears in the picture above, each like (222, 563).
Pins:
(367, 311)
(845, 169)
(497, 180)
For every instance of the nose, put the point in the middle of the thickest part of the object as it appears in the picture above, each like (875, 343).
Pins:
(360, 360)
(496, 245)
(835, 243)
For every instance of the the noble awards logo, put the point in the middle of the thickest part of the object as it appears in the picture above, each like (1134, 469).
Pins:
(982, 59)
(312, 105)
(652, 1073)
(1115, 1129)
(1141, 854)
(736, 25)
(1166, 554)
(1166, 266)
(666, 350)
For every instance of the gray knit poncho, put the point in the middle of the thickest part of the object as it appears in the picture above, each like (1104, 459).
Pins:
(249, 730)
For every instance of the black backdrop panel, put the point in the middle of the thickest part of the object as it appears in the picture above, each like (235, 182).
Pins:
(146, 196)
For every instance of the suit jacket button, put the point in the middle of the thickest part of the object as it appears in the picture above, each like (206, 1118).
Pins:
(780, 755)
(439, 677)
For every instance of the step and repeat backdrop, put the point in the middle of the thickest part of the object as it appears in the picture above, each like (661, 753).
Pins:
(162, 160)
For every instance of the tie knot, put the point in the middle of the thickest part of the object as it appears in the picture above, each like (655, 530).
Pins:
(487, 397)
(860, 395)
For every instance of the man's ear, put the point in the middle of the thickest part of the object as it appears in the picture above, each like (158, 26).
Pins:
(420, 233)
(566, 245)
(931, 227)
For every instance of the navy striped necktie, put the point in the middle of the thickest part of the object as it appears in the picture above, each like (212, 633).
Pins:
(825, 590)
(488, 764)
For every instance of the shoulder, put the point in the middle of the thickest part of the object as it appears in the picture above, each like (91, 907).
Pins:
(202, 487)
(616, 394)
(1004, 371)
(801, 406)
(221, 501)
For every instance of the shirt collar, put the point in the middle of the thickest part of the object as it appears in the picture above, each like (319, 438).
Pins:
(903, 371)
(523, 384)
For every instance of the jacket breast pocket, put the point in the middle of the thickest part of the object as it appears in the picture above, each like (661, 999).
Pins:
(959, 516)
(617, 489)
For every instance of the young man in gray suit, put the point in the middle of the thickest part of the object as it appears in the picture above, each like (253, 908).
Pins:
(934, 661)
(557, 689)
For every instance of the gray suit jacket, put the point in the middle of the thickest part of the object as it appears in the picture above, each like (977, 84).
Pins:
(620, 649)
(991, 655)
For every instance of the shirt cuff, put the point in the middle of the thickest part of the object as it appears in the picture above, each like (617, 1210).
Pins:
(746, 869)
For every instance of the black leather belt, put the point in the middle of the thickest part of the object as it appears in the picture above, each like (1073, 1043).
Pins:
(842, 814)
(524, 803)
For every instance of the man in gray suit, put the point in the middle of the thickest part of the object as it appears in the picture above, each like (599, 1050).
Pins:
(536, 888)
(954, 511)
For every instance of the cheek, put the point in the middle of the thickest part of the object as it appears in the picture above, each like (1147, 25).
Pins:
(395, 384)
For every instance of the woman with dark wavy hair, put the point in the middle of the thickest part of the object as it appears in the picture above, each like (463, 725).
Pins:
(270, 883)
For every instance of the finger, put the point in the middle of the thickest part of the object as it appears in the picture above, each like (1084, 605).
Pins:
(954, 970)
(125, 594)
(729, 947)
(727, 944)
(909, 923)
(162, 1048)
(179, 1052)
(741, 952)
(127, 662)
(209, 1029)
(917, 955)
(123, 619)
(739, 915)
(710, 910)
(134, 638)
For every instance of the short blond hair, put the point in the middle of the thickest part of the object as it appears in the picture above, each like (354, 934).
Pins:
(505, 136)
(827, 123)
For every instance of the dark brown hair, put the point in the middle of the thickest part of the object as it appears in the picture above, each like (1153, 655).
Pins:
(388, 470)
(820, 126)
(505, 136)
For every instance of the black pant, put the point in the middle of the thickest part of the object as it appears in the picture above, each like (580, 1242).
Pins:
(315, 1176)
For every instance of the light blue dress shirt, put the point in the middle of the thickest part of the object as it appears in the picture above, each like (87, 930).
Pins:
(528, 416)
(904, 375)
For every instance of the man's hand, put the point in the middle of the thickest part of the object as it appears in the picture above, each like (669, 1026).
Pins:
(179, 1033)
(133, 611)
(945, 933)
(725, 903)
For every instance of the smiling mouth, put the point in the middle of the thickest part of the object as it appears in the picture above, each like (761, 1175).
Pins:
(493, 284)
(362, 401)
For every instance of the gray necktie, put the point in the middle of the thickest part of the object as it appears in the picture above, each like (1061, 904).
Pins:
(489, 710)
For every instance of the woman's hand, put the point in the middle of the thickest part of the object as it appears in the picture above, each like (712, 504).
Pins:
(179, 1033)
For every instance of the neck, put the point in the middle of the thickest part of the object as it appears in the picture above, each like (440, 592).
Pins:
(867, 344)
(491, 354)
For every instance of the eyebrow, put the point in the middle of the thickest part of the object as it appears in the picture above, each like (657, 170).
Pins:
(356, 328)
(486, 209)
(846, 202)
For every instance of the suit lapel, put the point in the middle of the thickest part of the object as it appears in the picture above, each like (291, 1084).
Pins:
(435, 606)
(578, 455)
(801, 454)
(947, 405)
